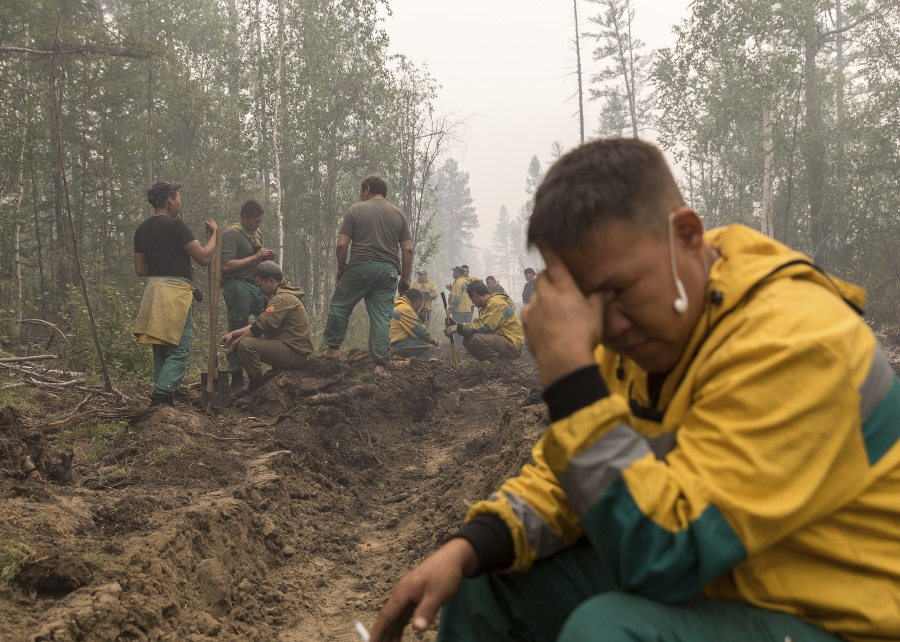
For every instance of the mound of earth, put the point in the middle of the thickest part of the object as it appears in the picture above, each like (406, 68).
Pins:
(285, 522)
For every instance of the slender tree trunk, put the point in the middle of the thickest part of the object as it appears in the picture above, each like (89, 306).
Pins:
(84, 291)
(578, 72)
(17, 264)
(814, 155)
(278, 213)
(150, 21)
(767, 225)
(261, 107)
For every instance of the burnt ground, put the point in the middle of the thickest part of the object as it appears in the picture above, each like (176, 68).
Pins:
(284, 522)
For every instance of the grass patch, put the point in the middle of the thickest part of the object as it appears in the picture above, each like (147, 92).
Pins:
(163, 454)
(91, 440)
(13, 555)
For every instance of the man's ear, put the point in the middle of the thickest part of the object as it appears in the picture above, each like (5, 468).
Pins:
(687, 226)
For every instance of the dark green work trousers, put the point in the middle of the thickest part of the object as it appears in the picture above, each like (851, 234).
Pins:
(242, 299)
(376, 283)
(572, 597)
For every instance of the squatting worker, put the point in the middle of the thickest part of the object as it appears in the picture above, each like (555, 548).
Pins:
(722, 462)
(377, 228)
(496, 332)
(163, 249)
(408, 334)
(242, 251)
(429, 291)
(280, 336)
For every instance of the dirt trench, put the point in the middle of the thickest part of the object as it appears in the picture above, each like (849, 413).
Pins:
(285, 522)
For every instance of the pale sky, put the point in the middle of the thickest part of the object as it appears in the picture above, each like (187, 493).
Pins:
(508, 67)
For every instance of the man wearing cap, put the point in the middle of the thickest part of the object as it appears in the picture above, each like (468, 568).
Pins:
(408, 335)
(496, 332)
(242, 251)
(429, 292)
(280, 336)
(529, 285)
(163, 249)
(380, 234)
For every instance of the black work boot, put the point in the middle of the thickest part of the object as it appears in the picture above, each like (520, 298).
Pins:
(237, 379)
(255, 383)
(157, 399)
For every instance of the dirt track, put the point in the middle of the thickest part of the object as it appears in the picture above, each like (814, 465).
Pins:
(286, 522)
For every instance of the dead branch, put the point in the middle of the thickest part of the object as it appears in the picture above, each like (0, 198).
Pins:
(37, 357)
(80, 417)
(334, 398)
(206, 434)
(109, 51)
(64, 384)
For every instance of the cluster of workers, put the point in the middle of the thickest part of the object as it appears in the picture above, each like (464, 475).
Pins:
(722, 460)
(374, 254)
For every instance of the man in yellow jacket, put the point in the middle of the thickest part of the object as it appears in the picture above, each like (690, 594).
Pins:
(723, 461)
(280, 336)
(460, 304)
(429, 291)
(496, 332)
(409, 336)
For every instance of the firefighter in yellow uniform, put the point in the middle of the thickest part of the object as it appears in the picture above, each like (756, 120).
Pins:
(460, 303)
(408, 335)
(429, 292)
(496, 332)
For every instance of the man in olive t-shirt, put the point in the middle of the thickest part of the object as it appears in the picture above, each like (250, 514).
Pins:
(242, 251)
(379, 233)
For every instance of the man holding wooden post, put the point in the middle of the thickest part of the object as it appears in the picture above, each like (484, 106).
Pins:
(163, 249)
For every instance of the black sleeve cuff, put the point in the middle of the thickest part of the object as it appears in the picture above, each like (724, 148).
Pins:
(575, 391)
(492, 542)
(255, 331)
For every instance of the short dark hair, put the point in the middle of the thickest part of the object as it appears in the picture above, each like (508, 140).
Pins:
(464, 266)
(251, 209)
(609, 179)
(477, 287)
(161, 192)
(413, 295)
(375, 185)
(489, 278)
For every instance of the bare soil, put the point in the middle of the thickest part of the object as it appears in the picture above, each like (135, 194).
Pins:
(284, 522)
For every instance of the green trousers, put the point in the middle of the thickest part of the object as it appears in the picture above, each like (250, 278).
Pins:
(572, 597)
(462, 317)
(376, 283)
(242, 299)
(170, 362)
(257, 351)
(490, 347)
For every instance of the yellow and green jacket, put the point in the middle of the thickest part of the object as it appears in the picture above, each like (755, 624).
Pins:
(765, 467)
(406, 324)
(284, 318)
(459, 299)
(429, 292)
(498, 317)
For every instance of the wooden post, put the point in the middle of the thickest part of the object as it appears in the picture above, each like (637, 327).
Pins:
(215, 285)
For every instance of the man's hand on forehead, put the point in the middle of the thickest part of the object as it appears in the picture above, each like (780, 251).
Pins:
(562, 325)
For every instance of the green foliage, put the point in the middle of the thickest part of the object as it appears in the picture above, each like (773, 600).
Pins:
(191, 98)
(92, 440)
(114, 313)
(13, 555)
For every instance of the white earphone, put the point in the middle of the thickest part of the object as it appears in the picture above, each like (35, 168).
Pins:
(681, 303)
